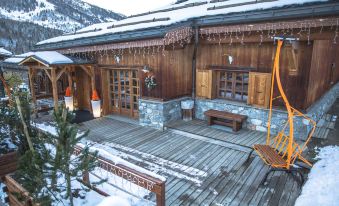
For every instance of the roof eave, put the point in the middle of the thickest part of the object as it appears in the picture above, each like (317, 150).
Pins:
(157, 32)
(284, 13)
(302, 11)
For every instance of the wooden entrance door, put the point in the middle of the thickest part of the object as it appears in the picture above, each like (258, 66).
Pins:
(124, 92)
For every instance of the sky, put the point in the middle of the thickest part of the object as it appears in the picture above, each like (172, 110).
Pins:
(129, 7)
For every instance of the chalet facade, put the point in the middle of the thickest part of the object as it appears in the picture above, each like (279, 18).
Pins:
(217, 53)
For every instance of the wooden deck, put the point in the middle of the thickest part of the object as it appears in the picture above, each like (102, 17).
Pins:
(203, 165)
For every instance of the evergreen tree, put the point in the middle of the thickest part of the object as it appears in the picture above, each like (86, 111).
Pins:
(65, 163)
(50, 171)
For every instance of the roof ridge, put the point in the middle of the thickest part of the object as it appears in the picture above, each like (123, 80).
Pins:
(187, 5)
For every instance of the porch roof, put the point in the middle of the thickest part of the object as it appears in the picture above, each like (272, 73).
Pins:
(47, 58)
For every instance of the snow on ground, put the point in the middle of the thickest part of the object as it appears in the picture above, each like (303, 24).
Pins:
(322, 185)
(116, 186)
(114, 201)
(2, 194)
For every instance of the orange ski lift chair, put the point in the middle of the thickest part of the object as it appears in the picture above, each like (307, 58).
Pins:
(281, 152)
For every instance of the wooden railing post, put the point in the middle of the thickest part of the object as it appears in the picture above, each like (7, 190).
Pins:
(160, 198)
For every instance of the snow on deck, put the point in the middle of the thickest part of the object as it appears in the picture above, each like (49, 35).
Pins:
(322, 185)
(198, 171)
(174, 16)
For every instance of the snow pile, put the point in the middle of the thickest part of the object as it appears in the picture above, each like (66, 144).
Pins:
(323, 181)
(2, 194)
(118, 187)
(114, 201)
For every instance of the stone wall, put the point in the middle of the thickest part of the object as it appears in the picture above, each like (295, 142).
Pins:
(318, 109)
(258, 117)
(157, 114)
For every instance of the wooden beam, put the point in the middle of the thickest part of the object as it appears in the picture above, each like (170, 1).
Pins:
(86, 70)
(55, 88)
(48, 74)
(60, 73)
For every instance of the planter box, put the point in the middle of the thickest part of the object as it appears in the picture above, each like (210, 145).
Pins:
(8, 163)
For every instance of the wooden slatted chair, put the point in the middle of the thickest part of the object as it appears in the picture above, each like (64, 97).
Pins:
(281, 152)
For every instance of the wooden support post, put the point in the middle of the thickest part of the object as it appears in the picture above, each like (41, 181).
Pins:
(85, 177)
(70, 81)
(92, 72)
(160, 198)
(31, 85)
(54, 88)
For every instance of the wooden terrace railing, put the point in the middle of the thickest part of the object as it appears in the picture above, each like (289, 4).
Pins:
(145, 181)
(18, 196)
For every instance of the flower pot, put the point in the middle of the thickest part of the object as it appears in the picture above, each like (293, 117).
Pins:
(69, 103)
(96, 108)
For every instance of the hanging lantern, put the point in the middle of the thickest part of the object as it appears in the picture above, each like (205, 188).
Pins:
(69, 100)
(96, 104)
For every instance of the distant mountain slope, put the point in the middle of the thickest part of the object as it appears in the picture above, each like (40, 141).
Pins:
(19, 37)
(65, 15)
(25, 22)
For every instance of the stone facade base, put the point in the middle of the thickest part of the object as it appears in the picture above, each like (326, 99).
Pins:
(157, 114)
(258, 117)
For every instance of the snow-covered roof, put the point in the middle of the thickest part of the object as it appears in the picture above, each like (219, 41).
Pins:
(45, 57)
(4, 52)
(48, 58)
(175, 13)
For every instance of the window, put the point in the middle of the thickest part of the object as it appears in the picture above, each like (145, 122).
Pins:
(232, 85)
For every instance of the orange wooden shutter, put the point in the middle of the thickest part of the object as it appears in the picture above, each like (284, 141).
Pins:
(206, 84)
(259, 89)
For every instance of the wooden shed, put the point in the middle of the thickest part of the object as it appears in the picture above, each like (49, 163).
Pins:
(215, 51)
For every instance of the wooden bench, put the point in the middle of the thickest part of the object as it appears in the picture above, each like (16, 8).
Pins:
(225, 118)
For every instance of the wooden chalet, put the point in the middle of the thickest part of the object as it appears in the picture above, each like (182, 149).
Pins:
(4, 53)
(216, 52)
